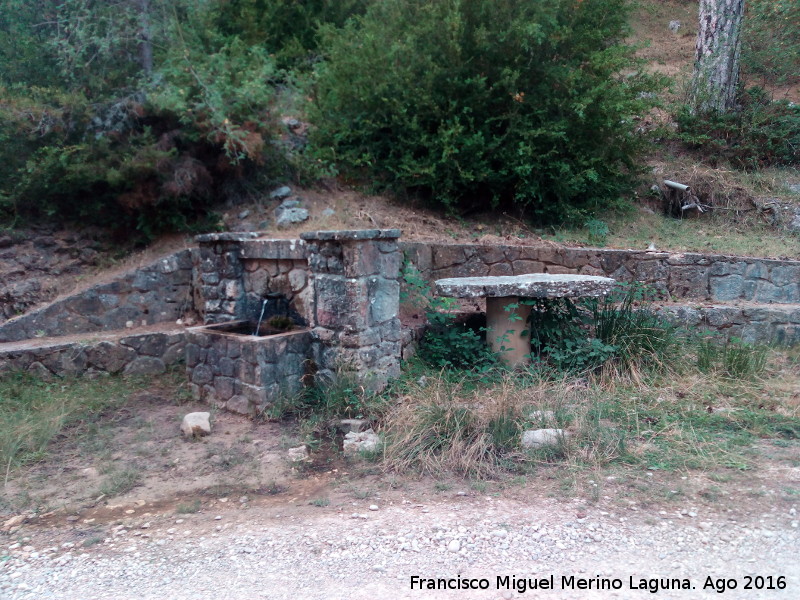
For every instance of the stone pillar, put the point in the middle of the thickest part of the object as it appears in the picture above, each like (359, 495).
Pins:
(218, 275)
(506, 328)
(356, 303)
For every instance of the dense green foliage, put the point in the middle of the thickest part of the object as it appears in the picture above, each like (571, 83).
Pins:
(771, 53)
(287, 28)
(473, 104)
(145, 119)
(761, 133)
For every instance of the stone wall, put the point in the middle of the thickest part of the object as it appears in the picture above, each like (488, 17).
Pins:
(160, 292)
(774, 324)
(141, 354)
(235, 273)
(356, 303)
(674, 275)
(245, 373)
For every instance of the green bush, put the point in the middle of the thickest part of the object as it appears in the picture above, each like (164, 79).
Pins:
(449, 344)
(761, 133)
(148, 152)
(287, 28)
(486, 102)
(770, 48)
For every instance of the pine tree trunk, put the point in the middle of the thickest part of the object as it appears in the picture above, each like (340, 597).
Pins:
(145, 41)
(716, 67)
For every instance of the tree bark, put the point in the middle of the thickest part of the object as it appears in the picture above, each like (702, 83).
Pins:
(145, 40)
(716, 67)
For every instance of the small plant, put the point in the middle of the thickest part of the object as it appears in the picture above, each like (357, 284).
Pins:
(280, 323)
(320, 502)
(448, 344)
(598, 231)
(188, 509)
(120, 481)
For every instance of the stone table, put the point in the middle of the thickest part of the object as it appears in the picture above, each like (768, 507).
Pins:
(506, 326)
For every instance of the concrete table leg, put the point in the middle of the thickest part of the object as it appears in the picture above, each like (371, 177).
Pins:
(505, 328)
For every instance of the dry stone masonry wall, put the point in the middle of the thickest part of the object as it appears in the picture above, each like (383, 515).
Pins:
(160, 292)
(685, 275)
(143, 354)
(356, 303)
(245, 374)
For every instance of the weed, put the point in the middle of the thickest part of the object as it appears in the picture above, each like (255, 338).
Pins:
(320, 502)
(188, 509)
(119, 482)
(93, 541)
(441, 486)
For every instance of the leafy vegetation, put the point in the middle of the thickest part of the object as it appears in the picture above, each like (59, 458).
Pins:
(513, 103)
(770, 50)
(761, 133)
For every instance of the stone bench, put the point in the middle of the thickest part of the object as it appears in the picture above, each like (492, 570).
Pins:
(506, 326)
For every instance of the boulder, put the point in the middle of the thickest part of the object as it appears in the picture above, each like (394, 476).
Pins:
(196, 424)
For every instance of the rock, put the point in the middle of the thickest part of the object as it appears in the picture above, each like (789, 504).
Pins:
(674, 26)
(289, 203)
(536, 438)
(794, 188)
(280, 193)
(793, 223)
(244, 214)
(6, 242)
(145, 365)
(291, 216)
(298, 454)
(196, 424)
(328, 212)
(354, 425)
(90, 472)
(13, 522)
(454, 546)
(373, 507)
(362, 441)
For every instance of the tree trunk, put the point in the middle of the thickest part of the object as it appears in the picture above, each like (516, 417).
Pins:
(145, 41)
(716, 67)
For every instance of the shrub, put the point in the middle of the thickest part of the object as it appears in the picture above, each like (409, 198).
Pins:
(450, 344)
(619, 329)
(148, 159)
(476, 103)
(286, 28)
(761, 133)
(770, 48)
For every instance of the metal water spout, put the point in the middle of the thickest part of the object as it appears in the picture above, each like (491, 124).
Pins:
(263, 308)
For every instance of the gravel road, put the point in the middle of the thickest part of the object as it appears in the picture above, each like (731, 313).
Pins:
(370, 551)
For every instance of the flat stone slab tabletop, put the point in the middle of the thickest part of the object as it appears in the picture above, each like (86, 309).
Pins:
(508, 329)
(537, 285)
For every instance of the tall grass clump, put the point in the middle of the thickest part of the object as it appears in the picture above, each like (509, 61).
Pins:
(34, 412)
(731, 357)
(620, 331)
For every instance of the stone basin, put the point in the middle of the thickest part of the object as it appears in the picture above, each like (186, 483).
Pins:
(507, 319)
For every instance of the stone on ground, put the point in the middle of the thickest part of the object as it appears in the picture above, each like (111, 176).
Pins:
(196, 424)
(537, 438)
(361, 441)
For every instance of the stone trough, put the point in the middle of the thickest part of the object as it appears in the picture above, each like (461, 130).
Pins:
(242, 372)
(506, 317)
